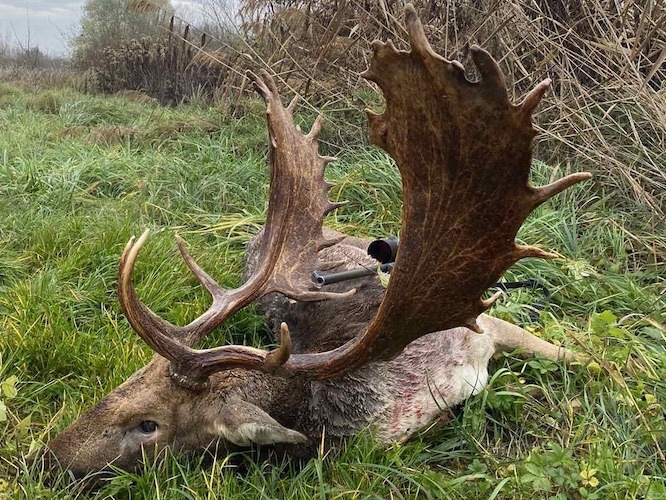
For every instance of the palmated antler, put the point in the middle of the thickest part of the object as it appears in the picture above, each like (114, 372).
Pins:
(292, 238)
(464, 153)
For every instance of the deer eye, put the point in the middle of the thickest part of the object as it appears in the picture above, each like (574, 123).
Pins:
(148, 426)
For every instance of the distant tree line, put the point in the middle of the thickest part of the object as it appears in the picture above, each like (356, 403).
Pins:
(15, 54)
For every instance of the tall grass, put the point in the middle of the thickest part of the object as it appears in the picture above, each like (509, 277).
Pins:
(606, 112)
(69, 204)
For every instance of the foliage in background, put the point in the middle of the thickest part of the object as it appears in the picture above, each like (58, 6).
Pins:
(606, 112)
(108, 24)
(153, 52)
(32, 67)
(14, 54)
(157, 66)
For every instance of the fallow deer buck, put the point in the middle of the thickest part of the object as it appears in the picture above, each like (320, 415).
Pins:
(362, 357)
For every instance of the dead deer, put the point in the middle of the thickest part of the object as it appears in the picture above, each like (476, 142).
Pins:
(354, 358)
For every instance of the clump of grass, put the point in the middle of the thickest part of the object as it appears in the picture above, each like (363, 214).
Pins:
(137, 95)
(112, 135)
(8, 89)
(176, 128)
(90, 112)
(6, 101)
(72, 132)
(48, 101)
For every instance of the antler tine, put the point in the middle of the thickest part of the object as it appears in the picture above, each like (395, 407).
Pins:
(191, 367)
(418, 41)
(142, 319)
(215, 290)
(492, 78)
(162, 336)
(532, 100)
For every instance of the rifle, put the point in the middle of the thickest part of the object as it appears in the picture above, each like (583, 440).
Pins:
(385, 251)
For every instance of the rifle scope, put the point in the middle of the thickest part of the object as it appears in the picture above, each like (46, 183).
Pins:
(384, 250)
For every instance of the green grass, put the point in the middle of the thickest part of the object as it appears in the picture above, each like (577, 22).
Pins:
(80, 174)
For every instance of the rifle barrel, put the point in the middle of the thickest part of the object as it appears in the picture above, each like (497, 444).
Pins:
(322, 279)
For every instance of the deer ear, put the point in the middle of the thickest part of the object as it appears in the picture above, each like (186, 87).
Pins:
(244, 424)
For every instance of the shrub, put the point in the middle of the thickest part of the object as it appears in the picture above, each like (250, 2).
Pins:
(156, 66)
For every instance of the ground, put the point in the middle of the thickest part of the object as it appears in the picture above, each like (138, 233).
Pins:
(80, 174)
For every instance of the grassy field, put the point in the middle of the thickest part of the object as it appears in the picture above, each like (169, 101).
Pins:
(80, 174)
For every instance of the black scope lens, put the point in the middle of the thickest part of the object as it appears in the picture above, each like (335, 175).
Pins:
(384, 250)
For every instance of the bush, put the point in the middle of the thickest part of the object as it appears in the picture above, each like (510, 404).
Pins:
(157, 66)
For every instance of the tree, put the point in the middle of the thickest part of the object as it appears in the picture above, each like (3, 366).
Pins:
(108, 23)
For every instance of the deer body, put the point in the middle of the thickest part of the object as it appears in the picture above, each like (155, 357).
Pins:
(393, 399)
(399, 397)
(354, 355)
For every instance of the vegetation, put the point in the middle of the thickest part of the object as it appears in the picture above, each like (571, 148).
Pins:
(107, 24)
(160, 67)
(606, 61)
(80, 174)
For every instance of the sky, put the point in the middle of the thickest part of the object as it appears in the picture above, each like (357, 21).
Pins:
(44, 23)
(50, 23)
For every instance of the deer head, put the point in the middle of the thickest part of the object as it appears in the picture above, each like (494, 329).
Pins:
(464, 153)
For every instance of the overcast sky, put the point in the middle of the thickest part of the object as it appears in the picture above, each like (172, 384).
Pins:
(51, 22)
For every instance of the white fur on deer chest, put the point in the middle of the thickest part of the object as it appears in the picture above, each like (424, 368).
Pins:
(433, 374)
(403, 396)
